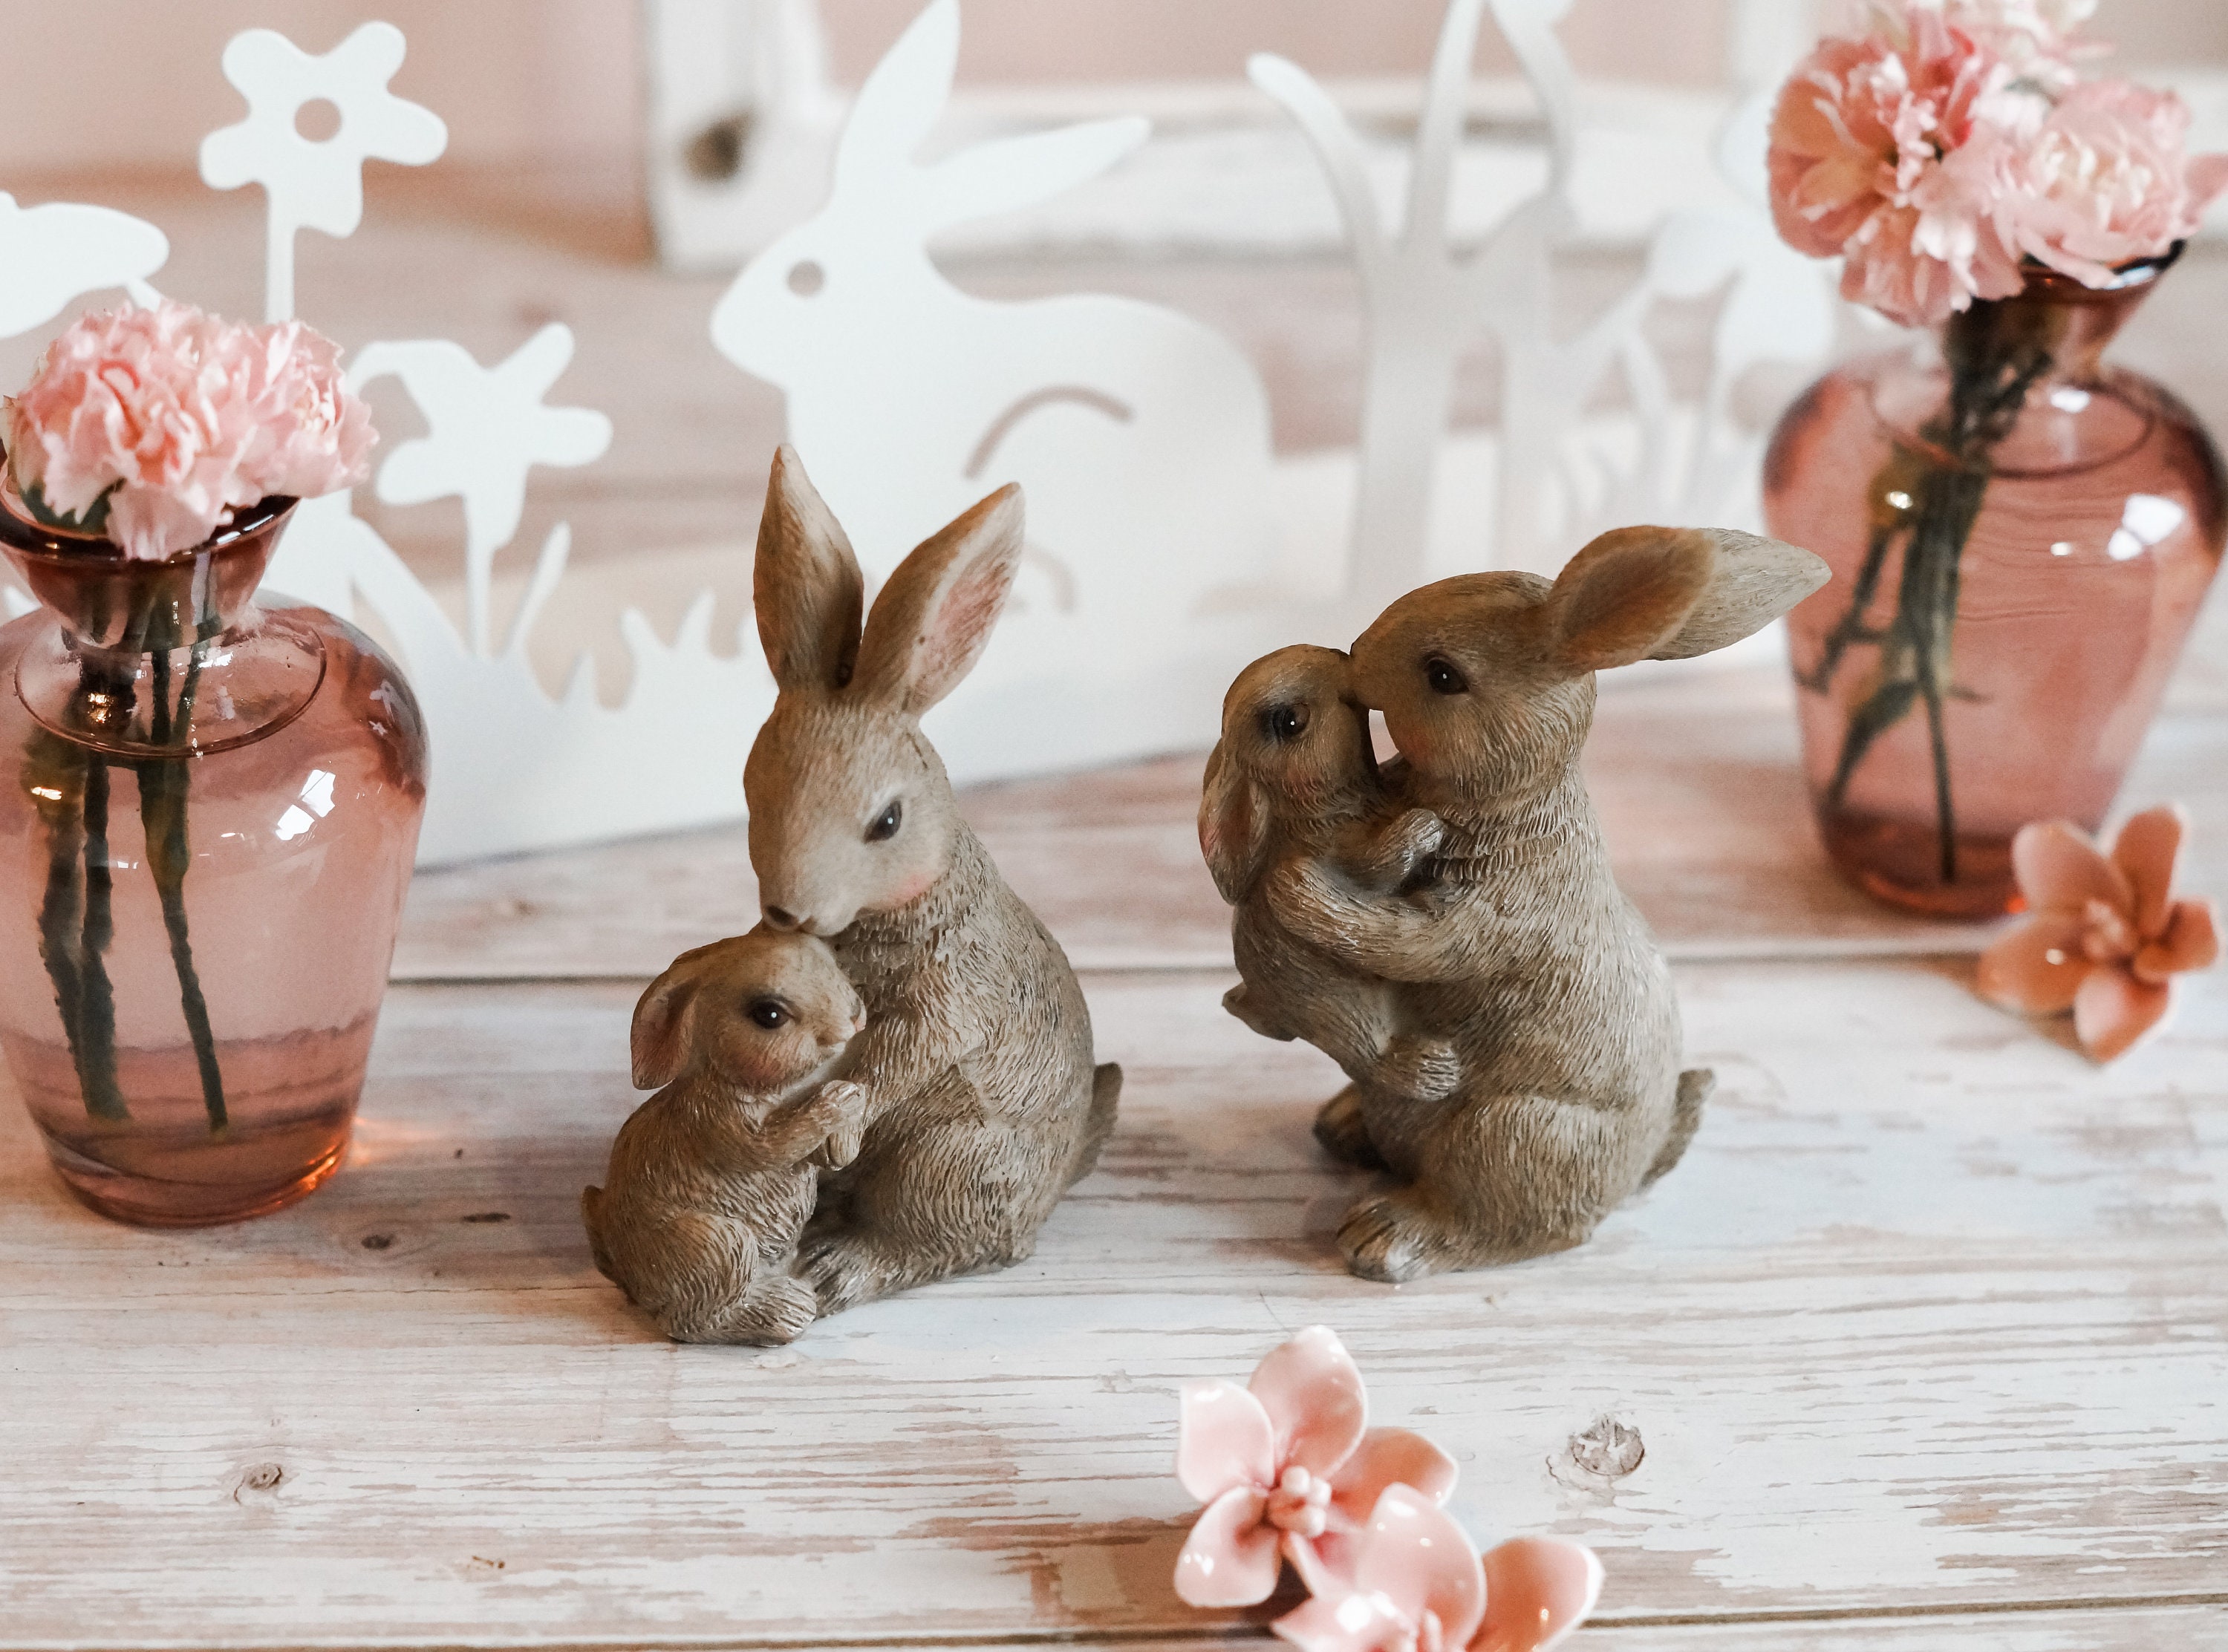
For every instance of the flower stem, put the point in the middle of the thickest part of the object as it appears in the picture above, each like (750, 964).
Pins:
(162, 787)
(1928, 496)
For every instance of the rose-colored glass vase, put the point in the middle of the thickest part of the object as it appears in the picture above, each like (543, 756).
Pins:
(2020, 538)
(207, 825)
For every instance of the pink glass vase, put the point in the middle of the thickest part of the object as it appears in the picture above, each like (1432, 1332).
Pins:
(2021, 538)
(210, 813)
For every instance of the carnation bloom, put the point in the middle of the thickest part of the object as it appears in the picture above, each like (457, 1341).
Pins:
(2106, 182)
(1874, 157)
(1288, 1469)
(2106, 936)
(173, 418)
(2038, 38)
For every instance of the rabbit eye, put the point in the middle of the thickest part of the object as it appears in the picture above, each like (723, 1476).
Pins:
(806, 278)
(1443, 676)
(886, 824)
(768, 1013)
(1284, 722)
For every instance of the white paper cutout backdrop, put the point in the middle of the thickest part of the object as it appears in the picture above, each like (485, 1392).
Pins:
(1166, 548)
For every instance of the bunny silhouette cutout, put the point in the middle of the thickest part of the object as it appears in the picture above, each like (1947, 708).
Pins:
(1141, 436)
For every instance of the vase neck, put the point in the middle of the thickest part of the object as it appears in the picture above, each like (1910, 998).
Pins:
(159, 658)
(2054, 329)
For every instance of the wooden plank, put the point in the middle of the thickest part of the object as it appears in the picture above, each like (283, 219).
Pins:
(1935, 1316)
(1696, 777)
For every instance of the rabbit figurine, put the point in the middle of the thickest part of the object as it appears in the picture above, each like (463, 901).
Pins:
(982, 1103)
(1293, 777)
(1141, 434)
(1519, 949)
(712, 1178)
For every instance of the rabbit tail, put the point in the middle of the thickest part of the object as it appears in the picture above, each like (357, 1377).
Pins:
(1098, 1123)
(1695, 1087)
(591, 1217)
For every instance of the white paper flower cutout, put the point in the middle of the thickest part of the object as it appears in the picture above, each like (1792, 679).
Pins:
(488, 427)
(315, 183)
(50, 254)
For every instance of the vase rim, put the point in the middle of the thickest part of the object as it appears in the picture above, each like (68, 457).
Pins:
(2042, 281)
(74, 547)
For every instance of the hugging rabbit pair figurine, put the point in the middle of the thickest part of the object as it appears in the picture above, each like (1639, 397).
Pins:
(890, 1081)
(1446, 927)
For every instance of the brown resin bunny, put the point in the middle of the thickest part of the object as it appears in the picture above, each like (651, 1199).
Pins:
(1520, 950)
(712, 1178)
(982, 1103)
(1293, 778)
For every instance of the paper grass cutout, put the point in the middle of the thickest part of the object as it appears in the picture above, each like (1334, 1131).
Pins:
(314, 184)
(51, 254)
(1556, 483)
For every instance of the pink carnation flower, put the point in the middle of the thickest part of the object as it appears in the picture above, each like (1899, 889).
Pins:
(1891, 150)
(2039, 39)
(177, 418)
(2106, 182)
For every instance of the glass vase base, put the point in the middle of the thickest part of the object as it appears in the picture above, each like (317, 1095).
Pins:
(1899, 862)
(153, 1202)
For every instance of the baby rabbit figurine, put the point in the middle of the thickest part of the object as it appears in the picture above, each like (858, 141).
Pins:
(1519, 949)
(982, 1103)
(712, 1178)
(1293, 778)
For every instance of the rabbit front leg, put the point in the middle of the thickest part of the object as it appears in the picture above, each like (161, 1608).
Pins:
(825, 1127)
(1398, 938)
(1385, 856)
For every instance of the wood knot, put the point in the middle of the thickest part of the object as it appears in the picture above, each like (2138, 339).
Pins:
(377, 1241)
(264, 1477)
(1598, 1455)
(487, 1215)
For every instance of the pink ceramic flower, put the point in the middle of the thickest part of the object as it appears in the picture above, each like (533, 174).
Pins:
(1417, 1585)
(2106, 932)
(1874, 156)
(154, 425)
(2106, 182)
(1288, 1469)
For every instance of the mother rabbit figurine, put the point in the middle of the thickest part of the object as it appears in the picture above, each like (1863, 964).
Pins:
(982, 1105)
(1514, 944)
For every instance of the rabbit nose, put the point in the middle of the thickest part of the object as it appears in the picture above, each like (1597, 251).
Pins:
(781, 917)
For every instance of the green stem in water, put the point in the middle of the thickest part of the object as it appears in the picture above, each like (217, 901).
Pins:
(58, 779)
(97, 1077)
(1996, 356)
(163, 782)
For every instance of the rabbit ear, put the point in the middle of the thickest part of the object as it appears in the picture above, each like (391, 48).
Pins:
(659, 1043)
(898, 107)
(1233, 826)
(805, 587)
(1010, 173)
(1752, 581)
(932, 621)
(1623, 596)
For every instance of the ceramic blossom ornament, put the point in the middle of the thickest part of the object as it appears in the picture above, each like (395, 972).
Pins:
(1288, 1469)
(1417, 1586)
(2107, 935)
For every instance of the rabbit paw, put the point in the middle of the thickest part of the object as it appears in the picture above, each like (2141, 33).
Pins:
(1394, 1238)
(1419, 1069)
(840, 1108)
(779, 1309)
(1245, 1005)
(842, 1269)
(1340, 1128)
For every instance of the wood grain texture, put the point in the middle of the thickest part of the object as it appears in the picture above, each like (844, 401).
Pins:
(1933, 1316)
(1695, 775)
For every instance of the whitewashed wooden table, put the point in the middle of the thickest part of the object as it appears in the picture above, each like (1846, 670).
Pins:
(1925, 1343)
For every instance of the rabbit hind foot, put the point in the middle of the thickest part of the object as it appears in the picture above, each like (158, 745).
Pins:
(1399, 1236)
(776, 1310)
